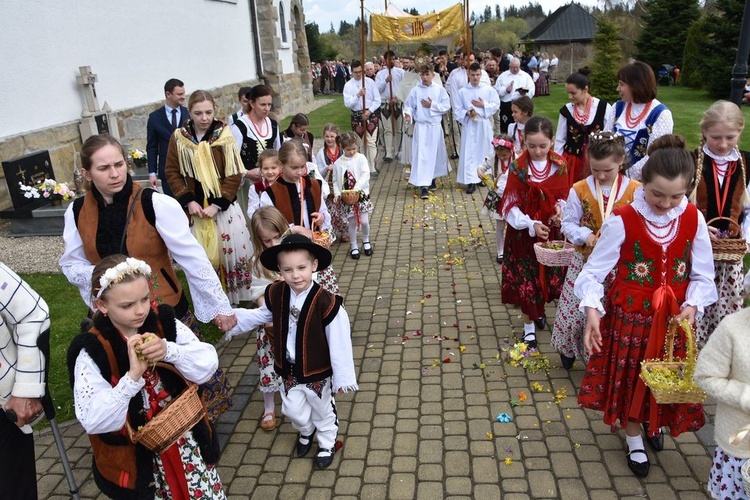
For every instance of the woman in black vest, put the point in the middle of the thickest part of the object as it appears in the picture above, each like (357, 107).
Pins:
(579, 118)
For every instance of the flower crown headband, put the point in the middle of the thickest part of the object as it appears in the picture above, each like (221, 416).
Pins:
(502, 143)
(606, 136)
(114, 275)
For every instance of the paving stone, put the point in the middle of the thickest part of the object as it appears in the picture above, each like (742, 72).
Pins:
(402, 486)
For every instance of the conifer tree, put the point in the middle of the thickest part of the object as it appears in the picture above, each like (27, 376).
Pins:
(666, 23)
(722, 28)
(607, 59)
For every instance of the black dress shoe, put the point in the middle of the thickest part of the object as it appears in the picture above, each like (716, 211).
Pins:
(425, 194)
(499, 259)
(566, 361)
(325, 460)
(638, 468)
(367, 248)
(541, 323)
(471, 188)
(304, 449)
(355, 254)
(656, 442)
(530, 342)
(432, 186)
(454, 156)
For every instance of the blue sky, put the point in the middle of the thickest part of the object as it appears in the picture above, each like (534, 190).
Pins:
(325, 12)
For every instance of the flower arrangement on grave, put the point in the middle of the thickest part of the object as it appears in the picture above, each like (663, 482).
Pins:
(49, 189)
(527, 358)
(137, 156)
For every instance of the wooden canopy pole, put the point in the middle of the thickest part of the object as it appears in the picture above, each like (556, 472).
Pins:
(390, 84)
(362, 52)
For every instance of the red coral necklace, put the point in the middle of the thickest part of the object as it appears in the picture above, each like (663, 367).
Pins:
(633, 122)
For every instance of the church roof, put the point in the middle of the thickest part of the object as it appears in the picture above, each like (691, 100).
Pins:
(569, 23)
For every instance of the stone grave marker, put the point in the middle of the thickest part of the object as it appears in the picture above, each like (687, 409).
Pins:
(29, 171)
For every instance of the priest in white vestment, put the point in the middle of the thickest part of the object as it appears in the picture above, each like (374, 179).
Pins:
(473, 108)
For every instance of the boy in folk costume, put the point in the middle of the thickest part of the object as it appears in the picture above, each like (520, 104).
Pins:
(475, 105)
(312, 344)
(425, 106)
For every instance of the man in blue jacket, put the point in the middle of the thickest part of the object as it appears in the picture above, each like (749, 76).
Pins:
(161, 124)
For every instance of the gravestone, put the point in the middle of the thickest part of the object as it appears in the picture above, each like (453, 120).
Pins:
(29, 170)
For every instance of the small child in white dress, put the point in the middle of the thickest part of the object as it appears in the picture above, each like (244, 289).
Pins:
(497, 167)
(351, 172)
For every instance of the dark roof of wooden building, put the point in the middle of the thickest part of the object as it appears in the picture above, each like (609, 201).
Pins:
(569, 23)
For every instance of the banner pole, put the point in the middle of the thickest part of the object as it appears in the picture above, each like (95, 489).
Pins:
(390, 86)
(364, 77)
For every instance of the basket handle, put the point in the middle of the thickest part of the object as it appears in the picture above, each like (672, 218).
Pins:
(687, 331)
(731, 221)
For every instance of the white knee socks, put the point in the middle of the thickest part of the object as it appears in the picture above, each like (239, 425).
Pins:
(364, 223)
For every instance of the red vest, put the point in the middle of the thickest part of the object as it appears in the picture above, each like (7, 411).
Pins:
(644, 266)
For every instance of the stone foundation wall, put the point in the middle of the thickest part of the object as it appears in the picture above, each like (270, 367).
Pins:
(64, 141)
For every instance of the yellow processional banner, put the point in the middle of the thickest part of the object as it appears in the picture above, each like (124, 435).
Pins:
(417, 28)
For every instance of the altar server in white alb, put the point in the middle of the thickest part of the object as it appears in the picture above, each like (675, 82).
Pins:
(364, 118)
(475, 105)
(426, 105)
(457, 80)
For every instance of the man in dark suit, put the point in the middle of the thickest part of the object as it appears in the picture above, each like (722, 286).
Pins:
(159, 128)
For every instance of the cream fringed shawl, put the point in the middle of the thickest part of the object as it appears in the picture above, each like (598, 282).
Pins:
(197, 161)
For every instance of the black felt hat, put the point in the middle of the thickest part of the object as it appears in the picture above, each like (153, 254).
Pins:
(269, 257)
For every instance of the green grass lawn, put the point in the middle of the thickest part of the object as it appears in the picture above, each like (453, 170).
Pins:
(66, 312)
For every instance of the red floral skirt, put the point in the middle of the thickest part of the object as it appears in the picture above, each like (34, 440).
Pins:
(578, 167)
(612, 374)
(522, 284)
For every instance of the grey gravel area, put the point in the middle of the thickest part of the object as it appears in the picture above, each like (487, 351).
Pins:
(40, 254)
(33, 254)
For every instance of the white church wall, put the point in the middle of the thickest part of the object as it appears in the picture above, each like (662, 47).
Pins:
(133, 48)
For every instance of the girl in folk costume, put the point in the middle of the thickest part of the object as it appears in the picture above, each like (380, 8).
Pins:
(351, 172)
(301, 200)
(496, 166)
(639, 115)
(124, 370)
(589, 203)
(581, 117)
(721, 191)
(204, 172)
(255, 132)
(660, 249)
(298, 129)
(118, 217)
(326, 157)
(522, 109)
(268, 227)
(532, 205)
(269, 165)
(723, 372)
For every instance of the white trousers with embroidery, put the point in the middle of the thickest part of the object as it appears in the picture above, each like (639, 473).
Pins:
(312, 412)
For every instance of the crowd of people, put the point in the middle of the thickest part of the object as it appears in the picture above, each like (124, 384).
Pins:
(248, 211)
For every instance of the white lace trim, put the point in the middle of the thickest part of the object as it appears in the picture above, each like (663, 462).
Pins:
(733, 156)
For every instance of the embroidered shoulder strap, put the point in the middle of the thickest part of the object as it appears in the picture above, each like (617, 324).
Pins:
(651, 119)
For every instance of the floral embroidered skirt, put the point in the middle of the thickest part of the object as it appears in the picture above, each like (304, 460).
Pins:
(725, 478)
(729, 280)
(338, 219)
(328, 280)
(521, 274)
(570, 322)
(269, 379)
(202, 479)
(611, 376)
(236, 253)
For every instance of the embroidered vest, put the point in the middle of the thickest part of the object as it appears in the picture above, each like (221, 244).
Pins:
(249, 150)
(285, 197)
(121, 468)
(578, 134)
(312, 354)
(706, 197)
(644, 266)
(142, 241)
(592, 216)
(639, 146)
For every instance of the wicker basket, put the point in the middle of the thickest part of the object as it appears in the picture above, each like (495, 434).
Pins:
(671, 380)
(174, 420)
(745, 471)
(350, 197)
(554, 258)
(729, 249)
(324, 238)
